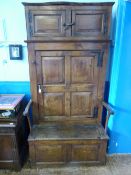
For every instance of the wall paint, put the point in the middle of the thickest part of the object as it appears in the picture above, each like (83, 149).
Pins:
(11, 87)
(12, 12)
(120, 91)
(13, 70)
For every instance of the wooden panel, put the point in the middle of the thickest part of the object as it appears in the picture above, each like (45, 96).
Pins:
(84, 79)
(46, 23)
(84, 153)
(81, 103)
(82, 69)
(91, 23)
(53, 70)
(6, 147)
(51, 76)
(54, 104)
(68, 82)
(50, 153)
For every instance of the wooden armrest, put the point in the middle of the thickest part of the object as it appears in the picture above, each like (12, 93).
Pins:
(26, 111)
(109, 112)
(108, 107)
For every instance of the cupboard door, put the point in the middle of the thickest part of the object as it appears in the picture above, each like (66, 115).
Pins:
(67, 84)
(46, 23)
(92, 24)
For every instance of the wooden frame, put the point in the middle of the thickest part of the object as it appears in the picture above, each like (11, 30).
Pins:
(15, 52)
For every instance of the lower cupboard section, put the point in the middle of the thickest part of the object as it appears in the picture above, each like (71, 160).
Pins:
(62, 152)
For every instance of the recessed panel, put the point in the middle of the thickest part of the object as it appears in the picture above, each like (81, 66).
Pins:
(54, 104)
(50, 153)
(89, 22)
(47, 24)
(81, 103)
(82, 69)
(53, 69)
(84, 153)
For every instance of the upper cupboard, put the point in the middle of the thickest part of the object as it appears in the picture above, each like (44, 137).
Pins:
(90, 21)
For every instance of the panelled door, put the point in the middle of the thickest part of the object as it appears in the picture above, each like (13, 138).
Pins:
(90, 23)
(67, 84)
(46, 23)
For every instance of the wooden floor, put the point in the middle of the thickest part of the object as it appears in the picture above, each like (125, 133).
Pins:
(116, 165)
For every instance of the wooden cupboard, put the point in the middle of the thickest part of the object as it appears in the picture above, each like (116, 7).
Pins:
(68, 46)
(58, 19)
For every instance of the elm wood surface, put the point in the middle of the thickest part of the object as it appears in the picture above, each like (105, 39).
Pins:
(68, 46)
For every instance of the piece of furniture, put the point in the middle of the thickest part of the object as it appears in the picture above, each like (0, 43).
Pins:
(68, 46)
(13, 139)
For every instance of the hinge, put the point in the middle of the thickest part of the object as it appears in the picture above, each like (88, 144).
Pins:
(105, 23)
(95, 112)
(30, 25)
(29, 16)
(30, 31)
(100, 59)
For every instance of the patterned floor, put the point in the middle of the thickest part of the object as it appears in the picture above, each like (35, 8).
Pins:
(116, 165)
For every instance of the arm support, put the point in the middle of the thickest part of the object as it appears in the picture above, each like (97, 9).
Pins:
(108, 108)
(26, 112)
(109, 112)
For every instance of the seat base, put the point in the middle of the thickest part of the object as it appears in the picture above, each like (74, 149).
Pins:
(73, 144)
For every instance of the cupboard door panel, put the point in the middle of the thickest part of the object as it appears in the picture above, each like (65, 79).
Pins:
(46, 23)
(91, 23)
(53, 70)
(82, 69)
(54, 104)
(81, 103)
